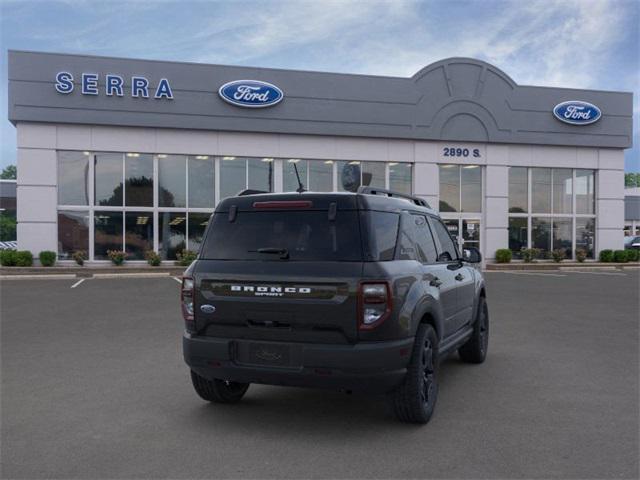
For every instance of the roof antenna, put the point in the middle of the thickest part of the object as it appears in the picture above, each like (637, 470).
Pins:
(300, 188)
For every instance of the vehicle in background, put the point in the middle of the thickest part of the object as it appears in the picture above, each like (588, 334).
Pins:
(632, 242)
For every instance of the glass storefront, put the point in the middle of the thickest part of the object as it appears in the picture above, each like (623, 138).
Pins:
(139, 202)
(518, 235)
(172, 181)
(73, 232)
(172, 234)
(353, 174)
(460, 188)
(138, 237)
(73, 178)
(557, 214)
(108, 233)
(315, 175)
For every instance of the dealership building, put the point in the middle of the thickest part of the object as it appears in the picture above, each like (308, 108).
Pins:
(134, 155)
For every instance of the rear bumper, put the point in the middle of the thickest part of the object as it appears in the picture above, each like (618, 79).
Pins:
(366, 367)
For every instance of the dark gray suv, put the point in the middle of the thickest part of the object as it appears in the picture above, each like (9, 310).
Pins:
(357, 291)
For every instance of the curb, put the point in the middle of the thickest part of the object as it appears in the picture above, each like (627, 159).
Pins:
(89, 272)
(58, 276)
(496, 267)
(88, 275)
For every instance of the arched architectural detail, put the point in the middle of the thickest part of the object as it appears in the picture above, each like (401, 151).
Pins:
(465, 120)
(447, 63)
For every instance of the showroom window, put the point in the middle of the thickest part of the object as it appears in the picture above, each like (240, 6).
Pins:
(400, 176)
(73, 178)
(460, 188)
(353, 174)
(551, 209)
(139, 201)
(138, 178)
(240, 173)
(315, 175)
(73, 233)
(172, 181)
(346, 176)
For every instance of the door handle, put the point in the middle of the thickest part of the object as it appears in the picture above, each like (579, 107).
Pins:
(459, 277)
(435, 282)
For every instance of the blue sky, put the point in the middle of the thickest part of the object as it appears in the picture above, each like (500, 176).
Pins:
(569, 43)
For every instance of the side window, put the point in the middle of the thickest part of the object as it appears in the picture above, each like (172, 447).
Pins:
(424, 239)
(406, 240)
(448, 250)
(383, 228)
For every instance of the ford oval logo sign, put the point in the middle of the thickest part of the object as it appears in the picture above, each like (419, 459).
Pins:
(250, 93)
(577, 112)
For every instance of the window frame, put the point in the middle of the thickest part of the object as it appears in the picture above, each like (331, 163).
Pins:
(439, 247)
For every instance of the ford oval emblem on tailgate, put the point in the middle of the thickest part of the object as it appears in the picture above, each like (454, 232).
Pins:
(207, 308)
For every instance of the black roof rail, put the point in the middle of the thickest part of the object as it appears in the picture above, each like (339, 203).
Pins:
(390, 193)
(250, 191)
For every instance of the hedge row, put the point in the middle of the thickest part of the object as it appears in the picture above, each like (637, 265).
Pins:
(620, 256)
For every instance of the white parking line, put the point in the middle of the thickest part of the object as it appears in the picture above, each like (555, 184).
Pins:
(177, 280)
(531, 273)
(599, 273)
(78, 283)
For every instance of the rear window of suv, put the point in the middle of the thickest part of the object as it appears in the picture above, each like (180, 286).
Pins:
(305, 235)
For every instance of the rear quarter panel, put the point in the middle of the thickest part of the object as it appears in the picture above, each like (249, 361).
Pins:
(411, 299)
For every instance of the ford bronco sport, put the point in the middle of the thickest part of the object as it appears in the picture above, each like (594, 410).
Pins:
(357, 291)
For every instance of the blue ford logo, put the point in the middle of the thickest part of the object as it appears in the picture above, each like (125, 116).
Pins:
(576, 112)
(250, 93)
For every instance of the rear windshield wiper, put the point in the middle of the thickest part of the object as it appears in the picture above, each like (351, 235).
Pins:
(283, 252)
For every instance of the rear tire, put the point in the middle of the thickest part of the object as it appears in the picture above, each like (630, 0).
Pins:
(475, 349)
(415, 400)
(218, 391)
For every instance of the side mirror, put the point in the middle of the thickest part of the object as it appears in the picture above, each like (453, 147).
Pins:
(471, 255)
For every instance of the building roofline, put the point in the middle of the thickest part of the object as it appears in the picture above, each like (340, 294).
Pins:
(416, 75)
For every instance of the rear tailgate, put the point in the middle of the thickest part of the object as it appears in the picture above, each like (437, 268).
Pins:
(278, 300)
(283, 270)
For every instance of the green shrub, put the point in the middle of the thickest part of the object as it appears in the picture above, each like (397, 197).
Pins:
(117, 256)
(24, 258)
(620, 256)
(186, 257)
(503, 255)
(527, 255)
(581, 255)
(79, 256)
(558, 255)
(633, 255)
(153, 258)
(47, 258)
(7, 258)
(606, 256)
(544, 254)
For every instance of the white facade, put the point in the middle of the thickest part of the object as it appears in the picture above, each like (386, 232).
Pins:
(38, 144)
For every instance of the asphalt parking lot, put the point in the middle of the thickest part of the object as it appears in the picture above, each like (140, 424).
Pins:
(94, 386)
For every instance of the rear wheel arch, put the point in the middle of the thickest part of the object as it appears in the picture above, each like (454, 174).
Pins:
(429, 319)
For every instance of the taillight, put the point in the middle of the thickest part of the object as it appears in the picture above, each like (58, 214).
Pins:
(186, 299)
(374, 304)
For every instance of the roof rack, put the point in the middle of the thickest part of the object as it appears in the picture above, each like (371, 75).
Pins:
(250, 191)
(391, 193)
